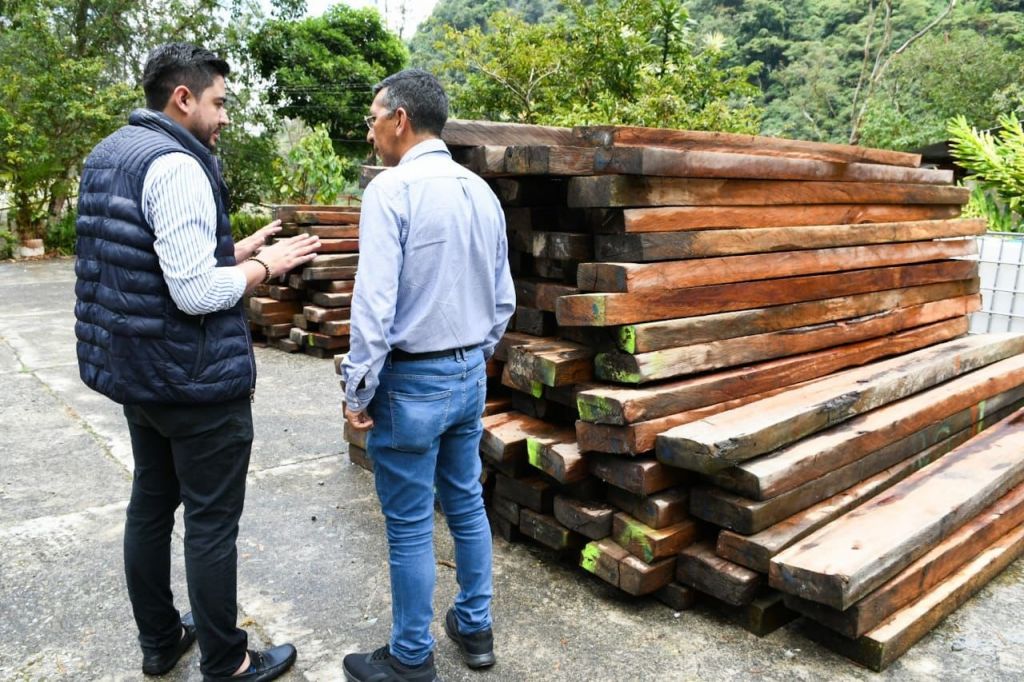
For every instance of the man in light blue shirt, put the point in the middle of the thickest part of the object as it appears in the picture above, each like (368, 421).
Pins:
(432, 297)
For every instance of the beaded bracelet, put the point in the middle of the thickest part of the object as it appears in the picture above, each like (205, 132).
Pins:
(265, 267)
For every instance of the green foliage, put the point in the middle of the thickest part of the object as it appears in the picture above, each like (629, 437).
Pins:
(322, 69)
(311, 173)
(244, 223)
(996, 163)
(628, 62)
(60, 235)
(7, 244)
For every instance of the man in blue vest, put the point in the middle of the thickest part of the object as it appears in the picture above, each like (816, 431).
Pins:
(161, 330)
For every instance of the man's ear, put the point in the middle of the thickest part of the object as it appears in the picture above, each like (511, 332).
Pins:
(182, 100)
(401, 120)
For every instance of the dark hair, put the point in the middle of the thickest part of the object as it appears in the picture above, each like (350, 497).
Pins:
(174, 64)
(420, 94)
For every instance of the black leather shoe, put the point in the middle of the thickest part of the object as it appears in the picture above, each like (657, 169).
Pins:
(160, 661)
(263, 665)
(381, 666)
(477, 649)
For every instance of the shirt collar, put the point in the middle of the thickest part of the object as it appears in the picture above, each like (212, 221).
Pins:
(423, 148)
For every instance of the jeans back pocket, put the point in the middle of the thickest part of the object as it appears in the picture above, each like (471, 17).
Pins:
(417, 420)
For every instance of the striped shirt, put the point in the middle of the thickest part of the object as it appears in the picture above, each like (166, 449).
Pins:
(178, 202)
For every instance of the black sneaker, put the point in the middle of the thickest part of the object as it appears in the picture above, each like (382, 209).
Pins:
(477, 649)
(381, 666)
(160, 661)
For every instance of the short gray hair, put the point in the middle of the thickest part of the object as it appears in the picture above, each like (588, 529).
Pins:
(420, 94)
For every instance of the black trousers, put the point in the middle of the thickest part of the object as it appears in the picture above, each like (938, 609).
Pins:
(198, 456)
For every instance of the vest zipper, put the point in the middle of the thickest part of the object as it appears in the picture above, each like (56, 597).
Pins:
(252, 358)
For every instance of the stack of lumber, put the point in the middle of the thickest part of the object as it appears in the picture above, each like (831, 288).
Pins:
(309, 312)
(723, 343)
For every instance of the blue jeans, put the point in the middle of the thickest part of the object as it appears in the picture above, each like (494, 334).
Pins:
(426, 435)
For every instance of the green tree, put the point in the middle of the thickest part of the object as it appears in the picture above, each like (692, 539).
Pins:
(628, 62)
(310, 172)
(321, 70)
(958, 73)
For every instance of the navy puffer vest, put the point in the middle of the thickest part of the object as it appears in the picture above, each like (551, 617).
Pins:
(134, 344)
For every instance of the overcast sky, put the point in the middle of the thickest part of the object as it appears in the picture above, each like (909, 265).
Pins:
(415, 11)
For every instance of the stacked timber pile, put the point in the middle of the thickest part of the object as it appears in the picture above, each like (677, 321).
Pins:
(309, 312)
(724, 344)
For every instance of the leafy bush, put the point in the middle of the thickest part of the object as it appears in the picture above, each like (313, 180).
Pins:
(60, 235)
(311, 173)
(7, 243)
(244, 223)
(996, 163)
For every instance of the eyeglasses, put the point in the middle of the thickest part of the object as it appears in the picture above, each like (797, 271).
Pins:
(371, 119)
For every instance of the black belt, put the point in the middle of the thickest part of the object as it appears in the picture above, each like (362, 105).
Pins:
(399, 354)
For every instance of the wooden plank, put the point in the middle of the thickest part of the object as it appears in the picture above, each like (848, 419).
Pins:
(465, 133)
(533, 322)
(608, 136)
(504, 435)
(880, 647)
(505, 508)
(632, 190)
(546, 530)
(561, 245)
(639, 476)
(605, 310)
(560, 460)
(602, 558)
(659, 510)
(625, 277)
(640, 438)
(315, 313)
(316, 218)
(680, 218)
(703, 357)
(334, 260)
(847, 559)
(266, 319)
(651, 544)
(651, 336)
(280, 292)
(336, 327)
(552, 363)
(677, 597)
(699, 567)
(328, 300)
(590, 519)
(747, 516)
(612, 405)
(359, 457)
(532, 492)
(525, 159)
(329, 273)
(511, 339)
(338, 246)
(761, 617)
(756, 551)
(980, 392)
(287, 212)
(541, 294)
(270, 306)
(671, 246)
(637, 577)
(722, 440)
(948, 556)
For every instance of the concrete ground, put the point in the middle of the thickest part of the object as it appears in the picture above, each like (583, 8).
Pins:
(312, 566)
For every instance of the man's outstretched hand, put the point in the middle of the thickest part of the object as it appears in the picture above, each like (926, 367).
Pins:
(255, 241)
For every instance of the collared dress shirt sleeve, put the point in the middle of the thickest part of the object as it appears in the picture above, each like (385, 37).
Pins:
(504, 293)
(178, 202)
(381, 221)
